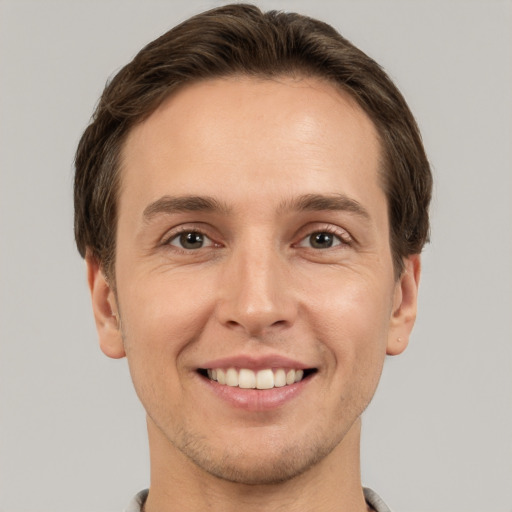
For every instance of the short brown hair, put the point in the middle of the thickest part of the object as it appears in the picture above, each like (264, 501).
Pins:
(240, 39)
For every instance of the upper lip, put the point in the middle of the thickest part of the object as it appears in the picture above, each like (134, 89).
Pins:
(256, 362)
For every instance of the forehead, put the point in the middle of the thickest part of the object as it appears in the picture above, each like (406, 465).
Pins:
(217, 134)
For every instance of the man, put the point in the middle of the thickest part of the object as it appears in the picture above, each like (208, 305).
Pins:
(251, 200)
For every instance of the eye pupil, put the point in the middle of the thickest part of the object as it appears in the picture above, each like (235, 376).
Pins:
(191, 240)
(321, 240)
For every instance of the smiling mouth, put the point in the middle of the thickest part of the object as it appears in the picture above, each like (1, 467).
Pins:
(245, 378)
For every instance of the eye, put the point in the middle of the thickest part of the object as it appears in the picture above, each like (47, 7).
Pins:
(190, 240)
(322, 240)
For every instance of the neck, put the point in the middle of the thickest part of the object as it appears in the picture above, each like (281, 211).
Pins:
(177, 484)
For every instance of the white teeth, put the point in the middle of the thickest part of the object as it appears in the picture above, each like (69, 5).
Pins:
(221, 376)
(262, 379)
(232, 377)
(265, 379)
(246, 379)
(280, 378)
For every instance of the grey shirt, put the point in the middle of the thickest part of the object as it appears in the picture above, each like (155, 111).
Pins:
(371, 497)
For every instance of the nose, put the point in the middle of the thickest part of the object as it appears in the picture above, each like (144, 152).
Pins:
(256, 293)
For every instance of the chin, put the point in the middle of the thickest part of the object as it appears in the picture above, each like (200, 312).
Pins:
(264, 465)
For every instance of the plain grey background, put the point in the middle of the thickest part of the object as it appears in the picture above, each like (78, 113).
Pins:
(438, 435)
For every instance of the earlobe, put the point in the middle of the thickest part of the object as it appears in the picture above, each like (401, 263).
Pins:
(404, 306)
(105, 310)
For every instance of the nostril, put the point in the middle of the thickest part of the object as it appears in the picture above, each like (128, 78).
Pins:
(256, 327)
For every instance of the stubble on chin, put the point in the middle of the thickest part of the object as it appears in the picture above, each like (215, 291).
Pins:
(270, 466)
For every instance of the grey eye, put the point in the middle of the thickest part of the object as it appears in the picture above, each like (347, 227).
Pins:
(323, 240)
(190, 240)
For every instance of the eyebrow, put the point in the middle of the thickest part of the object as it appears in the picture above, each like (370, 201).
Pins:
(308, 202)
(331, 202)
(176, 204)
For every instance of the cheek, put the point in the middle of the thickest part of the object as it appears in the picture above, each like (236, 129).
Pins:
(162, 308)
(161, 316)
(352, 306)
(351, 321)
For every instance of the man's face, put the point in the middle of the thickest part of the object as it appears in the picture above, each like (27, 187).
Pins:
(253, 246)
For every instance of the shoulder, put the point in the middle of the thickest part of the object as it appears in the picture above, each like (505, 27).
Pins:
(374, 500)
(371, 497)
(137, 502)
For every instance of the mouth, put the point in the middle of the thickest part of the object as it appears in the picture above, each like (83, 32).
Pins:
(267, 378)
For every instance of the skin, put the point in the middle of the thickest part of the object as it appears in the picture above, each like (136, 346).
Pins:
(257, 287)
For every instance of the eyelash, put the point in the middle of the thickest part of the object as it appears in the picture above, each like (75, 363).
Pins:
(185, 231)
(343, 238)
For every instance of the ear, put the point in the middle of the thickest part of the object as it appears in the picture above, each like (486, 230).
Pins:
(104, 306)
(404, 306)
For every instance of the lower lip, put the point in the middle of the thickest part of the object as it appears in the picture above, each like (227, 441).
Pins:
(257, 399)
